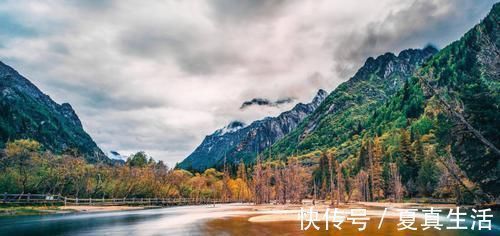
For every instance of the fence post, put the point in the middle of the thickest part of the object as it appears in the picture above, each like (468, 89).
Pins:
(76, 201)
(65, 201)
(90, 201)
(29, 197)
(4, 197)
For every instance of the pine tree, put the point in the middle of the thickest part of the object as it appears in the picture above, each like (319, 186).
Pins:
(419, 152)
(408, 166)
(377, 186)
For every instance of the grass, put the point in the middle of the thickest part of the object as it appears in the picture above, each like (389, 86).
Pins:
(16, 210)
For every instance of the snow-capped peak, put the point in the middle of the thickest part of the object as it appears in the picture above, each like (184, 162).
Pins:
(231, 127)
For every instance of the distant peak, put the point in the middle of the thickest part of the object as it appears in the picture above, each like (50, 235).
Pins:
(430, 48)
(233, 126)
(320, 96)
(321, 92)
(412, 53)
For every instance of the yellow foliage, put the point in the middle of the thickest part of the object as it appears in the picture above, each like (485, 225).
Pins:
(22, 147)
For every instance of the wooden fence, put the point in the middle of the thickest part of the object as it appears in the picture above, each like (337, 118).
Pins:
(28, 199)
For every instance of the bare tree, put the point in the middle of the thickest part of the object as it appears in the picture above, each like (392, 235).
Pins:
(340, 183)
(362, 185)
(398, 189)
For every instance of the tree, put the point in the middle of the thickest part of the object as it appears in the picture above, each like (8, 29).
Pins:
(340, 183)
(321, 175)
(139, 159)
(331, 168)
(398, 189)
(280, 183)
(376, 170)
(226, 191)
(297, 180)
(259, 182)
(244, 193)
(408, 165)
(362, 185)
(427, 177)
(22, 154)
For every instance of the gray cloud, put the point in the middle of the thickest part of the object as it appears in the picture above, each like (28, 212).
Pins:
(265, 102)
(160, 76)
(422, 22)
(247, 10)
(184, 44)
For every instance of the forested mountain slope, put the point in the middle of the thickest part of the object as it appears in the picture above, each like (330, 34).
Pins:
(27, 113)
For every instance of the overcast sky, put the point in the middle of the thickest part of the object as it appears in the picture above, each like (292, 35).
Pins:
(160, 75)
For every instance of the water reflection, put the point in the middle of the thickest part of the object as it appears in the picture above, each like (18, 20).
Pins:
(229, 219)
(167, 221)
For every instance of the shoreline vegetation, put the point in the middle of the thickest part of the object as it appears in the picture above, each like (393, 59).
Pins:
(28, 168)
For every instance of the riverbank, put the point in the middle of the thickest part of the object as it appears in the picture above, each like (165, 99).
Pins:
(45, 210)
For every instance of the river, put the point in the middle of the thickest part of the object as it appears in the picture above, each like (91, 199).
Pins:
(230, 219)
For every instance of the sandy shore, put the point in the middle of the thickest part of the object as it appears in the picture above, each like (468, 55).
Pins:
(275, 213)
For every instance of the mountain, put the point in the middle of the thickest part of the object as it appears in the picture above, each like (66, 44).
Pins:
(237, 141)
(345, 111)
(437, 120)
(26, 112)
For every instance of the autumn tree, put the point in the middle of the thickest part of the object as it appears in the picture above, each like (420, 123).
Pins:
(259, 182)
(242, 178)
(398, 189)
(280, 183)
(297, 178)
(362, 185)
(226, 191)
(340, 183)
(23, 154)
(331, 167)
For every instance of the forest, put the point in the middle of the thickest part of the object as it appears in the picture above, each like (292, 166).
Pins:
(28, 168)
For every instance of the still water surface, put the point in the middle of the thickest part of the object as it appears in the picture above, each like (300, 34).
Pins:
(231, 219)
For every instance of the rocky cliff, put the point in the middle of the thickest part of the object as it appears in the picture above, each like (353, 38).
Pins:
(26, 112)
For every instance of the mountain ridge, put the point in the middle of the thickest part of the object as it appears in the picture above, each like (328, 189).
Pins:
(377, 80)
(246, 141)
(27, 112)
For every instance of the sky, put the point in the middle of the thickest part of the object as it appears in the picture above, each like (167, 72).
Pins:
(159, 76)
